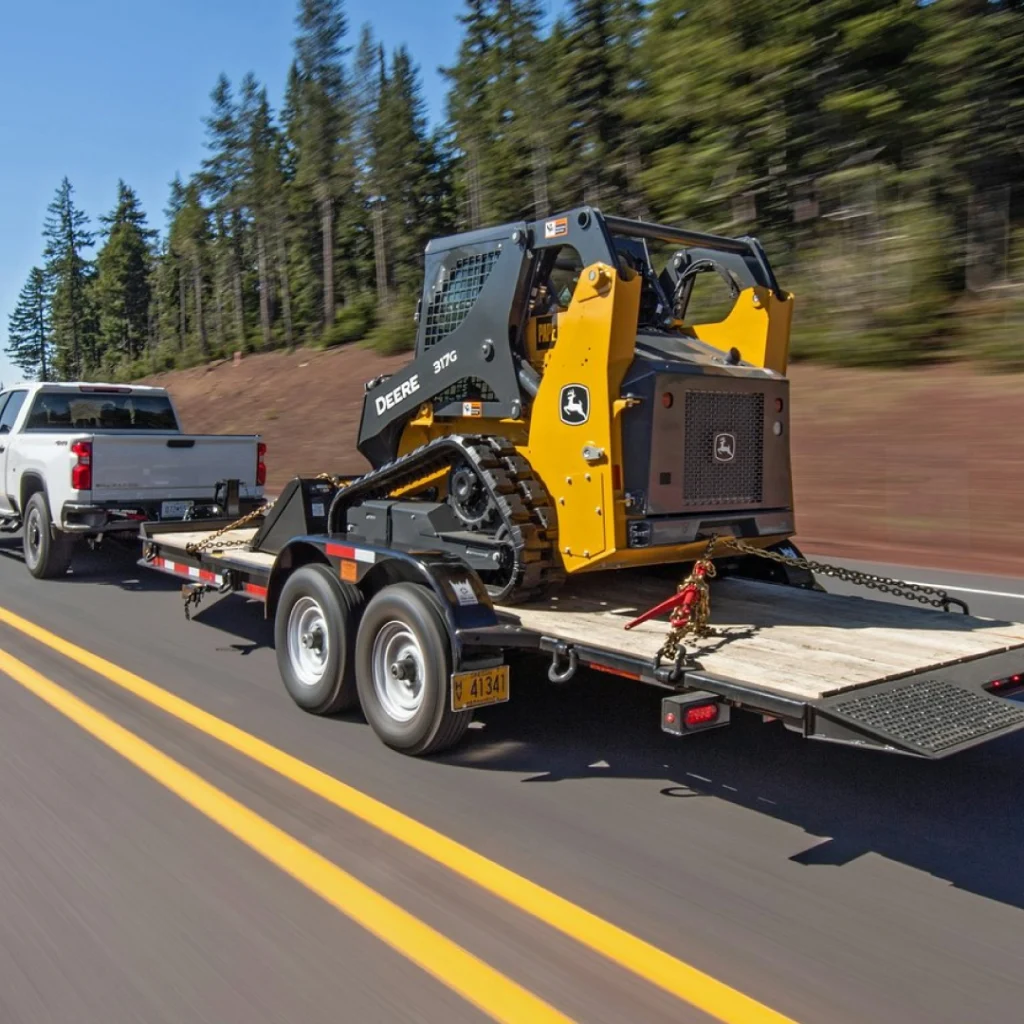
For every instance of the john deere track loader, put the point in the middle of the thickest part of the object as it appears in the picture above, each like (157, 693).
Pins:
(563, 415)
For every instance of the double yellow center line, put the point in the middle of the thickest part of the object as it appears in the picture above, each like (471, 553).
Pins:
(493, 993)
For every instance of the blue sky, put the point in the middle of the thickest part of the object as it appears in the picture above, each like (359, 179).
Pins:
(104, 89)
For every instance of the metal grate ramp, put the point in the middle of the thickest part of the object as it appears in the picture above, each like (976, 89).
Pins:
(926, 716)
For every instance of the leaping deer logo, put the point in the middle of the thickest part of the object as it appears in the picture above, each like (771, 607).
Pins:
(575, 404)
(725, 447)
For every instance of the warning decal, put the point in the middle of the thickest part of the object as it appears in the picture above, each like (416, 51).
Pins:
(556, 228)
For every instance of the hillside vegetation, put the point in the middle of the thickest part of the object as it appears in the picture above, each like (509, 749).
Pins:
(875, 146)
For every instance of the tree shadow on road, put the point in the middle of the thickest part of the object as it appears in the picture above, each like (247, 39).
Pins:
(960, 819)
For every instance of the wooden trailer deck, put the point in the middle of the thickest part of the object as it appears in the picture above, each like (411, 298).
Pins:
(803, 644)
(799, 643)
(253, 559)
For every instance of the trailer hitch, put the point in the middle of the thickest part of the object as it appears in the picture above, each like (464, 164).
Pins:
(564, 662)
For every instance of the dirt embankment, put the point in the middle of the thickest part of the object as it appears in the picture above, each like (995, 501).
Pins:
(920, 467)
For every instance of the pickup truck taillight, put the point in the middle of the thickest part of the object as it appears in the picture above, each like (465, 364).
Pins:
(261, 466)
(81, 472)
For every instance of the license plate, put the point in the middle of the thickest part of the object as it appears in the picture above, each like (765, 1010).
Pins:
(479, 688)
(174, 509)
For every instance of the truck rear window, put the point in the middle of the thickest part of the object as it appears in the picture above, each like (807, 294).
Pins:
(56, 411)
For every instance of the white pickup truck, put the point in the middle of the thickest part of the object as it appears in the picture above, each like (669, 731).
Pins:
(81, 460)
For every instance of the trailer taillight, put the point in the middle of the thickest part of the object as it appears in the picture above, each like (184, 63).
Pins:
(81, 472)
(685, 713)
(700, 714)
(261, 466)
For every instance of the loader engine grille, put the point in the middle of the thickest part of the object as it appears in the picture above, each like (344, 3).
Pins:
(455, 298)
(723, 457)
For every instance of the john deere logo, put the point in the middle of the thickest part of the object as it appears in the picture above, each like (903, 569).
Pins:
(725, 447)
(575, 405)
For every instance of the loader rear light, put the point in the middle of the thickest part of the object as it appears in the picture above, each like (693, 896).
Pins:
(261, 466)
(667, 399)
(779, 405)
(700, 714)
(81, 472)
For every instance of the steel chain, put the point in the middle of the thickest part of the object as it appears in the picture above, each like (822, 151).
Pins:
(208, 542)
(673, 650)
(934, 596)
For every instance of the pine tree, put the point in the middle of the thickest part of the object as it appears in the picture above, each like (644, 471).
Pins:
(69, 274)
(318, 101)
(410, 190)
(222, 183)
(123, 288)
(29, 328)
(190, 238)
(598, 74)
(498, 114)
(470, 107)
(368, 85)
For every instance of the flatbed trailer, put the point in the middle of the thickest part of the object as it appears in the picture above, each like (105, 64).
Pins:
(413, 638)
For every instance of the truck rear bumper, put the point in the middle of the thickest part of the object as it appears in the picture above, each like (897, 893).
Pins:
(89, 519)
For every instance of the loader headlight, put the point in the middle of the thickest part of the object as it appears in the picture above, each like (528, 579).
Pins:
(777, 428)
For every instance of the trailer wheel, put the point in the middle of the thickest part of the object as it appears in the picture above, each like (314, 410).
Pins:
(404, 665)
(46, 556)
(314, 633)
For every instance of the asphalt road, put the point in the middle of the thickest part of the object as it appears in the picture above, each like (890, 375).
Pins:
(826, 884)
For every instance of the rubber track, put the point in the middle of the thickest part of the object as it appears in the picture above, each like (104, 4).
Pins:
(522, 501)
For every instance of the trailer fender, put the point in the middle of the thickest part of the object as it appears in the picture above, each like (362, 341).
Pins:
(463, 598)
(294, 555)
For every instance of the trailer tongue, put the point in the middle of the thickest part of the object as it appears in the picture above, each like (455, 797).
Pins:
(411, 635)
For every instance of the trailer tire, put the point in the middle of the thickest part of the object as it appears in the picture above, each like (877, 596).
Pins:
(47, 551)
(315, 629)
(403, 629)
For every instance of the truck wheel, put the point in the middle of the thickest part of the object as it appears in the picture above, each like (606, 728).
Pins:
(46, 556)
(314, 634)
(404, 665)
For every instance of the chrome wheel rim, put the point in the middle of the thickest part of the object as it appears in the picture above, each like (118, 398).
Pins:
(308, 646)
(399, 671)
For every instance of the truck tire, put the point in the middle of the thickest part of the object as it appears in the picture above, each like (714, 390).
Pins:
(403, 671)
(47, 551)
(314, 636)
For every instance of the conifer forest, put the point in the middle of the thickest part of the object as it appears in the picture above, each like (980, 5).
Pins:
(876, 147)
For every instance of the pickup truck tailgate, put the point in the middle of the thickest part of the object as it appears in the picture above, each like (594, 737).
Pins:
(170, 466)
